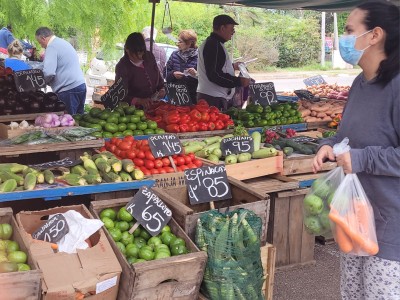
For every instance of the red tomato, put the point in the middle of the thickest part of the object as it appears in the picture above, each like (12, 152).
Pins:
(158, 163)
(117, 152)
(162, 171)
(180, 161)
(175, 161)
(155, 171)
(175, 156)
(146, 172)
(145, 142)
(145, 148)
(184, 167)
(139, 143)
(198, 163)
(140, 154)
(124, 146)
(192, 156)
(188, 160)
(114, 140)
(130, 154)
(166, 162)
(129, 138)
(192, 166)
(118, 142)
(179, 169)
(149, 155)
(112, 148)
(122, 154)
(149, 164)
(169, 169)
(102, 149)
(138, 162)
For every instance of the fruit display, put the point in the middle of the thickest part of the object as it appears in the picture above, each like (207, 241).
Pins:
(12, 259)
(199, 117)
(330, 91)
(124, 120)
(320, 111)
(140, 246)
(139, 152)
(210, 149)
(256, 115)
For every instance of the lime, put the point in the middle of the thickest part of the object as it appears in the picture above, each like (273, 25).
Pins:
(127, 132)
(135, 119)
(146, 253)
(3, 245)
(178, 249)
(121, 247)
(123, 119)
(107, 135)
(129, 110)
(17, 257)
(132, 250)
(162, 255)
(3, 257)
(159, 131)
(154, 241)
(138, 132)
(12, 246)
(116, 234)
(121, 127)
(139, 113)
(108, 223)
(126, 238)
(122, 225)
(144, 234)
(140, 242)
(142, 126)
(177, 241)
(148, 131)
(6, 267)
(23, 267)
(124, 215)
(151, 124)
(166, 228)
(137, 232)
(166, 237)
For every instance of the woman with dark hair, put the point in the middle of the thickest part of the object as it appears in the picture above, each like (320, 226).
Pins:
(371, 121)
(182, 65)
(139, 71)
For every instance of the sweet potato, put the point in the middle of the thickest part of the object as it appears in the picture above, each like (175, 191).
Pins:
(321, 115)
(305, 112)
(327, 118)
(313, 113)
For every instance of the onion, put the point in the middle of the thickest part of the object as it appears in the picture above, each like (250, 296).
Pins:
(39, 121)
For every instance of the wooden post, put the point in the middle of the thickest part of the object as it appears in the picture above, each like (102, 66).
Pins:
(212, 206)
(172, 163)
(134, 227)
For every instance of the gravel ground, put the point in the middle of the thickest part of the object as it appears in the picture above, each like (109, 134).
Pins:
(316, 282)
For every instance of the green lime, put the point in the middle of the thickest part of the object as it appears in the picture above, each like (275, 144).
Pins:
(123, 119)
(113, 120)
(139, 241)
(162, 255)
(121, 247)
(129, 110)
(124, 215)
(6, 231)
(121, 127)
(131, 259)
(109, 213)
(127, 132)
(118, 134)
(111, 127)
(131, 126)
(178, 249)
(12, 246)
(115, 233)
(167, 237)
(137, 232)
(122, 225)
(146, 253)
(108, 223)
(139, 113)
(3, 245)
(115, 114)
(126, 238)
(139, 260)
(142, 126)
(135, 119)
(138, 132)
(148, 131)
(107, 135)
(151, 124)
(159, 131)
(161, 247)
(132, 250)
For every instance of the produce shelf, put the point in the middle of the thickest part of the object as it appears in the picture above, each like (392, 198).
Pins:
(297, 127)
(58, 192)
(27, 117)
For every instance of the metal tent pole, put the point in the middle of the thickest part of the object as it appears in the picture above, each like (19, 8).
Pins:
(153, 16)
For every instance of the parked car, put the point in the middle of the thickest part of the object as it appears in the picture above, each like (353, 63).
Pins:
(102, 67)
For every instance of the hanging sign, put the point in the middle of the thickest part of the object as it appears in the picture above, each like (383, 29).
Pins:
(115, 94)
(263, 93)
(236, 145)
(162, 145)
(178, 94)
(29, 80)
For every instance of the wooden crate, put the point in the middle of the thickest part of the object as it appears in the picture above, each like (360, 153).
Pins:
(6, 132)
(26, 117)
(186, 215)
(175, 277)
(303, 164)
(268, 256)
(19, 285)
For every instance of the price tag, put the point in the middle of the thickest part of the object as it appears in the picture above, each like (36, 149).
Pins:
(178, 94)
(29, 80)
(236, 145)
(263, 93)
(149, 210)
(314, 80)
(165, 145)
(207, 184)
(115, 94)
(304, 94)
(303, 139)
(66, 162)
(53, 230)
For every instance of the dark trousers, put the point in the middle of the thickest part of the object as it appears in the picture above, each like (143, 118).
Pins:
(219, 102)
(74, 99)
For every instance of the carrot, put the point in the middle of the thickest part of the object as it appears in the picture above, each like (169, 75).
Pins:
(344, 242)
(79, 296)
(366, 245)
(364, 215)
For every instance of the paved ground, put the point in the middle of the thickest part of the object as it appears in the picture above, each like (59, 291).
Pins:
(317, 282)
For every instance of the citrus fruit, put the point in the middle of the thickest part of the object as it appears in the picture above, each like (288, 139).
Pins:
(177, 241)
(132, 250)
(178, 249)
(137, 232)
(6, 231)
(166, 237)
(154, 241)
(17, 257)
(12, 246)
(108, 223)
(122, 225)
(126, 238)
(144, 234)
(140, 260)
(140, 242)
(121, 247)
(162, 254)
(124, 215)
(161, 247)
(7, 266)
(166, 228)
(132, 260)
(146, 253)
(109, 213)
(313, 205)
(116, 234)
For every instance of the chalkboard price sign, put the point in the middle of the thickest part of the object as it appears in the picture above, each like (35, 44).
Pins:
(236, 145)
(53, 230)
(115, 94)
(303, 139)
(165, 145)
(304, 94)
(314, 80)
(207, 184)
(263, 93)
(149, 210)
(29, 80)
(178, 94)
(65, 162)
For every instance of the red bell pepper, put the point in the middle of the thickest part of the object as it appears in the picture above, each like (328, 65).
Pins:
(223, 117)
(229, 123)
(184, 119)
(203, 126)
(202, 108)
(195, 115)
(193, 127)
(184, 128)
(214, 109)
(174, 128)
(202, 102)
(219, 125)
(205, 117)
(172, 117)
(211, 126)
(182, 109)
(213, 117)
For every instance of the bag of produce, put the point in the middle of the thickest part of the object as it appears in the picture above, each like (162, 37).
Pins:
(232, 242)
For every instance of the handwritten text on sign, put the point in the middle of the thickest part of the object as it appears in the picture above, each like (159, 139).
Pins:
(165, 145)
(29, 80)
(65, 162)
(115, 94)
(207, 184)
(53, 230)
(236, 145)
(149, 210)
(263, 93)
(178, 94)
(315, 80)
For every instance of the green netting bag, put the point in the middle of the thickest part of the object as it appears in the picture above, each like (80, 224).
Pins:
(232, 242)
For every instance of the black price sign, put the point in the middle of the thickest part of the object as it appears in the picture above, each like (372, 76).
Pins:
(66, 162)
(53, 230)
(263, 93)
(178, 94)
(315, 80)
(207, 184)
(303, 139)
(165, 145)
(149, 210)
(29, 80)
(304, 94)
(236, 145)
(115, 94)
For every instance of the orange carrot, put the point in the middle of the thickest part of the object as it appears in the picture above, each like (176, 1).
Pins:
(363, 215)
(366, 245)
(343, 240)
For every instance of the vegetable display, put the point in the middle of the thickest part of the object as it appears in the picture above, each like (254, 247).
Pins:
(320, 111)
(330, 91)
(140, 246)
(54, 120)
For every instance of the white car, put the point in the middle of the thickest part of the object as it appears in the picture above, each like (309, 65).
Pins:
(102, 67)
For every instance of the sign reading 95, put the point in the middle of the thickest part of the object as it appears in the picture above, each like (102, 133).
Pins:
(149, 210)
(207, 184)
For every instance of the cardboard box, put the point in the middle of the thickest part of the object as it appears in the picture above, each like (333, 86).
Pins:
(94, 272)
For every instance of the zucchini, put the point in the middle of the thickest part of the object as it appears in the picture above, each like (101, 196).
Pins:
(78, 169)
(127, 165)
(264, 153)
(13, 167)
(242, 157)
(256, 140)
(74, 179)
(93, 178)
(116, 164)
(125, 176)
(137, 174)
(29, 181)
(302, 149)
(8, 186)
(9, 175)
(212, 140)
(102, 164)
(288, 150)
(111, 177)
(48, 176)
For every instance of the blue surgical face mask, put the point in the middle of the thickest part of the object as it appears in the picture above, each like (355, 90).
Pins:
(347, 48)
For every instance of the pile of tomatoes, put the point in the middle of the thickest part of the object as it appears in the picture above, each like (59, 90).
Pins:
(139, 152)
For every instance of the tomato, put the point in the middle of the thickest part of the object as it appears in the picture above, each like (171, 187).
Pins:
(175, 162)
(114, 140)
(145, 148)
(166, 162)
(158, 163)
(169, 169)
(149, 155)
(117, 152)
(122, 154)
(154, 171)
(180, 161)
(179, 169)
(184, 167)
(112, 148)
(138, 162)
(162, 171)
(102, 149)
(198, 163)
(140, 154)
(188, 160)
(129, 138)
(130, 154)
(145, 171)
(145, 142)
(192, 166)
(124, 146)
(149, 164)
(192, 156)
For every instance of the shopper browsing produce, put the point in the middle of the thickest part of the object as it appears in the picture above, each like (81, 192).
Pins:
(372, 42)
(139, 71)
(14, 61)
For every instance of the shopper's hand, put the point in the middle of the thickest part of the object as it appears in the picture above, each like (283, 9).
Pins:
(144, 102)
(178, 75)
(325, 152)
(344, 161)
(244, 81)
(236, 65)
(192, 71)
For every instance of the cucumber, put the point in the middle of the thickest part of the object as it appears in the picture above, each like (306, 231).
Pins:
(48, 176)
(8, 186)
(302, 149)
(288, 151)
(78, 169)
(125, 176)
(30, 181)
(212, 140)
(231, 159)
(127, 165)
(256, 140)
(242, 157)
(111, 177)
(8, 175)
(213, 158)
(264, 153)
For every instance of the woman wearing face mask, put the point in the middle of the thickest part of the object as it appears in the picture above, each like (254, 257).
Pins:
(371, 121)
(182, 65)
(140, 74)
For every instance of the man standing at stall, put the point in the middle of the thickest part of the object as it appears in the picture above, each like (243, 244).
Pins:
(62, 70)
(216, 73)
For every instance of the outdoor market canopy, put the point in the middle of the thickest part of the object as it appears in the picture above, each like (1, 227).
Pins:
(321, 5)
